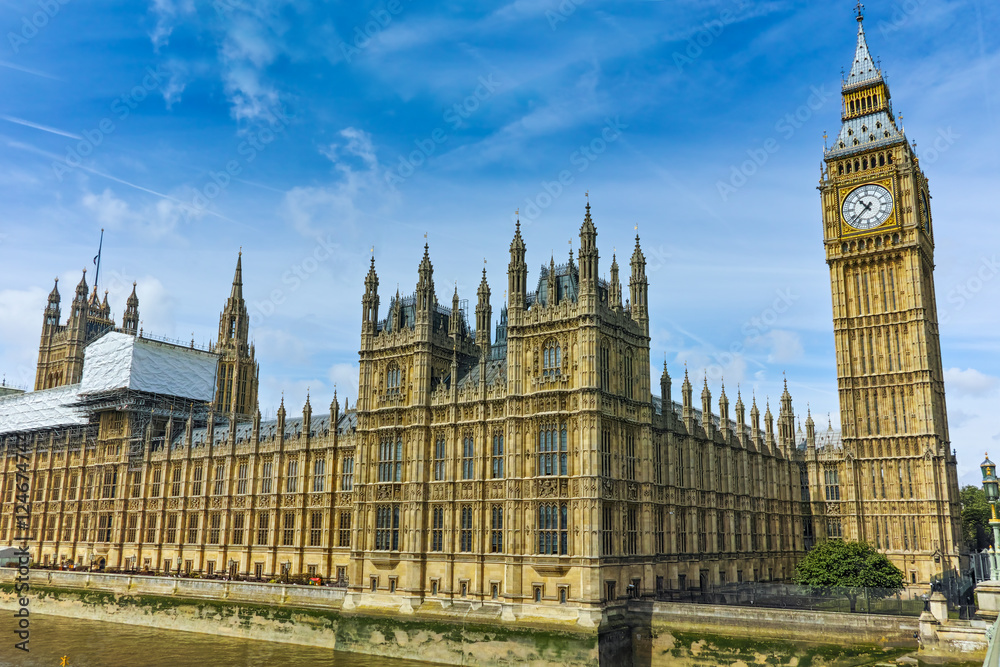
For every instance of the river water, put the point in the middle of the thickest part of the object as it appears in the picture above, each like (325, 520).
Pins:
(97, 644)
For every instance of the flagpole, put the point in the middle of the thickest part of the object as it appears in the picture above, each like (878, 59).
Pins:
(97, 259)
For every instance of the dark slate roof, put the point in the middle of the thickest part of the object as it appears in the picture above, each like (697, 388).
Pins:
(293, 427)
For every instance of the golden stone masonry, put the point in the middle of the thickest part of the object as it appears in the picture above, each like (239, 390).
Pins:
(533, 468)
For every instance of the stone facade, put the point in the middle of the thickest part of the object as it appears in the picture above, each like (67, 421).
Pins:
(534, 469)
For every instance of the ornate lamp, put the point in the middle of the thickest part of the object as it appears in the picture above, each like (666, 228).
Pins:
(992, 488)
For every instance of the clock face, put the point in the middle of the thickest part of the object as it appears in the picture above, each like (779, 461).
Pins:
(867, 207)
(927, 211)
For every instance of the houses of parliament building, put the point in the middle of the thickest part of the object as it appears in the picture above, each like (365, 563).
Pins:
(528, 462)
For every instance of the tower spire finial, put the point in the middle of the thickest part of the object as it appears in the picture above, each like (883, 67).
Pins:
(860, 9)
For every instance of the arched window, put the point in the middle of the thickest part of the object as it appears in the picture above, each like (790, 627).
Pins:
(604, 363)
(551, 358)
(552, 450)
(552, 529)
(393, 378)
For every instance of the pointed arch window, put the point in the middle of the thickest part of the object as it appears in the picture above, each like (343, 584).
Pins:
(552, 450)
(551, 358)
(393, 378)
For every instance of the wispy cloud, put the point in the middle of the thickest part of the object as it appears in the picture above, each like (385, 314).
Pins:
(39, 126)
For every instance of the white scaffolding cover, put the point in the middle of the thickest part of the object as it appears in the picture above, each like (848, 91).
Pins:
(49, 408)
(118, 361)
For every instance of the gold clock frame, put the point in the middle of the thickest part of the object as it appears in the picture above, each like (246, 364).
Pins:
(889, 183)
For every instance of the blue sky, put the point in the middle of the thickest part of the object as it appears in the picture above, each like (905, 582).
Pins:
(307, 133)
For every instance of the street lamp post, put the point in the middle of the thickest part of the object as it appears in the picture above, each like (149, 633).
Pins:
(992, 489)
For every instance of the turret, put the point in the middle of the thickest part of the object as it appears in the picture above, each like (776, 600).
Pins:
(810, 430)
(79, 309)
(588, 255)
(130, 321)
(706, 408)
(484, 316)
(769, 425)
(686, 401)
(553, 292)
(307, 413)
(369, 302)
(425, 286)
(740, 414)
(786, 420)
(724, 412)
(236, 388)
(754, 420)
(517, 272)
(639, 288)
(52, 313)
(281, 418)
(667, 400)
(453, 324)
(615, 287)
(334, 412)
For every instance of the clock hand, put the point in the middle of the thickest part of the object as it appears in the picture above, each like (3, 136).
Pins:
(868, 206)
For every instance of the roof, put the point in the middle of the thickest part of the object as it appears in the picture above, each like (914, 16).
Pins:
(866, 132)
(494, 368)
(863, 69)
(37, 410)
(118, 361)
(347, 422)
(567, 284)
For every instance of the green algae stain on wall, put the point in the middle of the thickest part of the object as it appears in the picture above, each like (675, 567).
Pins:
(700, 650)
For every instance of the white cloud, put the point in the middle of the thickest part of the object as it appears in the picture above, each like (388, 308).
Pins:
(969, 382)
(158, 219)
(168, 13)
(359, 192)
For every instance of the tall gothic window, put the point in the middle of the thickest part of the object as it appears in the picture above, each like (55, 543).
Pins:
(214, 527)
(390, 460)
(393, 378)
(387, 528)
(496, 535)
(241, 479)
(265, 477)
(832, 483)
(604, 366)
(220, 479)
(607, 531)
(437, 529)
(439, 459)
(630, 538)
(292, 477)
(465, 535)
(319, 475)
(468, 457)
(344, 536)
(552, 450)
(316, 529)
(629, 376)
(629, 460)
(605, 453)
(238, 527)
(196, 478)
(263, 521)
(497, 459)
(553, 534)
(551, 358)
(175, 482)
(347, 474)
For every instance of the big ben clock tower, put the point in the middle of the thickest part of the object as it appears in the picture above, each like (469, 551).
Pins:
(899, 469)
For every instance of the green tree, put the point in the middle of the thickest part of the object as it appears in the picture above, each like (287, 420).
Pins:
(975, 518)
(848, 568)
